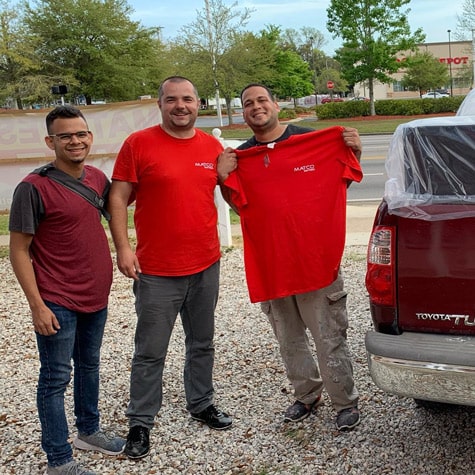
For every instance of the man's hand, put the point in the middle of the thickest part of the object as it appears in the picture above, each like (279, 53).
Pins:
(227, 162)
(44, 321)
(351, 137)
(128, 263)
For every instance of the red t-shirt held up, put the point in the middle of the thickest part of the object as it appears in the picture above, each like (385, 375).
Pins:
(291, 197)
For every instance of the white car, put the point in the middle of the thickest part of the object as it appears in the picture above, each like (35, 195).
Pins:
(468, 105)
(433, 95)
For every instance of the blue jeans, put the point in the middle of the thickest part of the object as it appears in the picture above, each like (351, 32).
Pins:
(79, 339)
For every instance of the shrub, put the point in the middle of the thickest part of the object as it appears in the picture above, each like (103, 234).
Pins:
(287, 114)
(343, 110)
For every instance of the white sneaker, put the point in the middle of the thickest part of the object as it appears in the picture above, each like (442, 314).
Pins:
(70, 468)
(101, 441)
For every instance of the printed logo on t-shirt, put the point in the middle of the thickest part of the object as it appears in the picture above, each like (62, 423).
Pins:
(266, 160)
(207, 165)
(305, 168)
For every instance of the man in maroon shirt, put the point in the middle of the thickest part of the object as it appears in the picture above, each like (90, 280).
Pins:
(60, 254)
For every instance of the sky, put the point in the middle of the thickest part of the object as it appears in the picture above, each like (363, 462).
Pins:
(435, 17)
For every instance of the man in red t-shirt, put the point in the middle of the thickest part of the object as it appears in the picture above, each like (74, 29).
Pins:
(289, 185)
(170, 171)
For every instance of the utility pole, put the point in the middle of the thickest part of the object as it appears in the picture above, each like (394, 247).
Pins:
(212, 47)
(473, 58)
(450, 67)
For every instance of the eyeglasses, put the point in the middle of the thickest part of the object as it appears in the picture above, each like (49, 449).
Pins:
(65, 138)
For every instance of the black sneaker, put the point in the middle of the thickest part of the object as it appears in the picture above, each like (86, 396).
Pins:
(299, 411)
(348, 419)
(137, 445)
(213, 418)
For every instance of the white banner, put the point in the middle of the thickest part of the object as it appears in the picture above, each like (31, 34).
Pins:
(22, 146)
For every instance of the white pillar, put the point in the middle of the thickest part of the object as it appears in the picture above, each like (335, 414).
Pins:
(224, 219)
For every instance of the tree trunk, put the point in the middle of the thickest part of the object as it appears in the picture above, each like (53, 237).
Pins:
(371, 96)
(229, 110)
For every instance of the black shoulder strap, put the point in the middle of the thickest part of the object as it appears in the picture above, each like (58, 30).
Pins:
(77, 186)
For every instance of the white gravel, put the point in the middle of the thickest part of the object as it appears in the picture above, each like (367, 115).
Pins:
(394, 437)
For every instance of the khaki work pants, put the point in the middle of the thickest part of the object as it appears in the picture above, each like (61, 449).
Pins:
(323, 313)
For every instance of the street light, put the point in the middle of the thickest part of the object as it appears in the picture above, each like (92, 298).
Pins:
(450, 67)
(212, 47)
(314, 68)
(473, 57)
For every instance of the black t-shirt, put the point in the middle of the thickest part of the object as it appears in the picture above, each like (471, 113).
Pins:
(291, 129)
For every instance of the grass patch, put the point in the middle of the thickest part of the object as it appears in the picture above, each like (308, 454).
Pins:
(234, 217)
(355, 254)
(365, 125)
(4, 223)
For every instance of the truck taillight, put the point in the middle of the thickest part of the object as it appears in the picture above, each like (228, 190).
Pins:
(380, 273)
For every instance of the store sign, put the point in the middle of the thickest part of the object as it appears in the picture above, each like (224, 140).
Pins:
(456, 60)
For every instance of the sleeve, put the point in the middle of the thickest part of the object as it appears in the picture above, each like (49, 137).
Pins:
(27, 209)
(124, 167)
(238, 197)
(352, 169)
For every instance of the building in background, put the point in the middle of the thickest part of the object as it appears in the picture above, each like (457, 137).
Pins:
(457, 55)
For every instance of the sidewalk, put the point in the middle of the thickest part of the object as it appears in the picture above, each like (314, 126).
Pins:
(359, 222)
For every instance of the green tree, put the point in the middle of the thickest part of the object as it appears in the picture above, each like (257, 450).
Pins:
(291, 74)
(18, 65)
(424, 72)
(340, 85)
(466, 31)
(466, 21)
(373, 31)
(303, 41)
(95, 42)
(207, 46)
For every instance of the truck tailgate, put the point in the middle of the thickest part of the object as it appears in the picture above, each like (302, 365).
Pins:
(436, 275)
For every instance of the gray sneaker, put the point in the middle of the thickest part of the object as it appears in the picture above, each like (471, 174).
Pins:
(348, 419)
(298, 411)
(70, 468)
(101, 441)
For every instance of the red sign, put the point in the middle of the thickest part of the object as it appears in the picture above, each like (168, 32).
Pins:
(330, 85)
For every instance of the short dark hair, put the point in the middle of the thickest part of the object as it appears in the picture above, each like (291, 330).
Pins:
(63, 112)
(176, 79)
(256, 84)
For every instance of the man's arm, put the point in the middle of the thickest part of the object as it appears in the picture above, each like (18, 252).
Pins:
(119, 195)
(44, 320)
(352, 139)
(227, 162)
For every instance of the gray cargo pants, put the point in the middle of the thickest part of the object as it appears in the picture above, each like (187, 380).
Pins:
(323, 312)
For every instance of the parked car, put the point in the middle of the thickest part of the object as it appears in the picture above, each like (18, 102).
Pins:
(359, 98)
(325, 100)
(434, 95)
(421, 265)
(468, 104)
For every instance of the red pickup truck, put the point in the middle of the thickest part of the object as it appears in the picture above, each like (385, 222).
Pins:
(421, 265)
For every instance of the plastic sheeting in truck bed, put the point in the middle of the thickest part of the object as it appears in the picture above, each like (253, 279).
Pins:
(431, 169)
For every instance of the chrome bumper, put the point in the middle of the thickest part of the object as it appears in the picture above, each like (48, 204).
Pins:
(424, 366)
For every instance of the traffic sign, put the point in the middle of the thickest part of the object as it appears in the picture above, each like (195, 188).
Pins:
(330, 85)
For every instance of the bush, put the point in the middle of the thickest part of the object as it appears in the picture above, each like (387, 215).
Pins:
(344, 110)
(287, 114)
(213, 112)
(301, 110)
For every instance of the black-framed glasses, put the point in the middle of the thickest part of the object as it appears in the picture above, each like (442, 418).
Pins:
(65, 138)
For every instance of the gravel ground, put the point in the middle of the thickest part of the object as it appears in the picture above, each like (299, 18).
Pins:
(394, 437)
